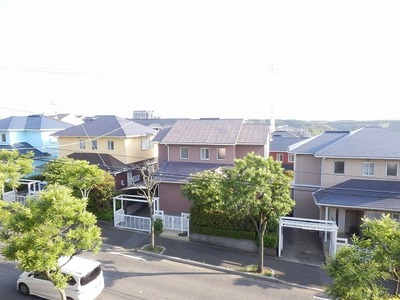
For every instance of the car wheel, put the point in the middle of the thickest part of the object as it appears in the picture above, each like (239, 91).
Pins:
(23, 289)
(69, 298)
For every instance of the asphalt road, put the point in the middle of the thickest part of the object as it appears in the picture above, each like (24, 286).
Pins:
(142, 276)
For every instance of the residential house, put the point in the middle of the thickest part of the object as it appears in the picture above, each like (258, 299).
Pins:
(279, 145)
(191, 146)
(343, 176)
(32, 134)
(115, 144)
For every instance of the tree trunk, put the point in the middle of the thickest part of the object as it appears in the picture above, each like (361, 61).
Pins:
(152, 243)
(260, 248)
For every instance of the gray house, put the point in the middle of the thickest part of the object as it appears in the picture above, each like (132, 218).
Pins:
(343, 176)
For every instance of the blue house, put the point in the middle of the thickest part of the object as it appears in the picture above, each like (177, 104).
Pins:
(32, 133)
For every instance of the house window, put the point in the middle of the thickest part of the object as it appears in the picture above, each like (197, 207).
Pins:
(372, 215)
(396, 217)
(391, 169)
(82, 144)
(204, 153)
(291, 158)
(94, 145)
(145, 144)
(110, 145)
(279, 157)
(368, 169)
(339, 167)
(184, 151)
(221, 153)
(3, 138)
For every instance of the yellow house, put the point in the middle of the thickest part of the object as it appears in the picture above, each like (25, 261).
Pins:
(115, 144)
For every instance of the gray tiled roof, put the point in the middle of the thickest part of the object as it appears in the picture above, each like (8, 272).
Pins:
(282, 143)
(361, 194)
(367, 142)
(178, 172)
(33, 122)
(103, 161)
(314, 144)
(253, 134)
(110, 126)
(204, 131)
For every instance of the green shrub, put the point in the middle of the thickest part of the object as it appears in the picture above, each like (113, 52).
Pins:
(158, 225)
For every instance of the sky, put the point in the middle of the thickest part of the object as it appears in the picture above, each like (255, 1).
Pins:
(287, 59)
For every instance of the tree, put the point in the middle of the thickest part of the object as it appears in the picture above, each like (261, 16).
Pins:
(258, 188)
(77, 174)
(360, 269)
(13, 167)
(204, 190)
(85, 179)
(149, 191)
(55, 224)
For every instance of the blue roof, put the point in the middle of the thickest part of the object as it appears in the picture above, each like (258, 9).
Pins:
(361, 194)
(24, 148)
(33, 122)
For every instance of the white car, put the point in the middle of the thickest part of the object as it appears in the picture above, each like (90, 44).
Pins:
(86, 280)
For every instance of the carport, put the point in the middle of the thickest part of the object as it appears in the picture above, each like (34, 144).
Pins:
(309, 224)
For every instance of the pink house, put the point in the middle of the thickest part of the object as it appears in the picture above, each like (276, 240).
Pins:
(191, 146)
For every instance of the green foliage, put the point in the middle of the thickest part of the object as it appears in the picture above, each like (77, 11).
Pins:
(55, 224)
(76, 174)
(13, 167)
(158, 225)
(86, 180)
(204, 190)
(358, 271)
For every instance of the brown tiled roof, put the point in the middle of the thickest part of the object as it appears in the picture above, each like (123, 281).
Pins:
(204, 131)
(253, 134)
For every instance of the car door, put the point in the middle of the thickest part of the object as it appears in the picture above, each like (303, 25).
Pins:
(40, 285)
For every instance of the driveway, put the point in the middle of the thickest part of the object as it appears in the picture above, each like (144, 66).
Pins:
(303, 246)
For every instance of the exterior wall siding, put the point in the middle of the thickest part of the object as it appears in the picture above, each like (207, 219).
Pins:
(125, 150)
(194, 154)
(171, 200)
(242, 150)
(353, 170)
(310, 167)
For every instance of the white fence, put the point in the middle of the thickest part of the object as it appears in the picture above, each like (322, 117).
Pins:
(177, 223)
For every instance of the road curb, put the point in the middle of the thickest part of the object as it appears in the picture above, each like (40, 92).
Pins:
(222, 269)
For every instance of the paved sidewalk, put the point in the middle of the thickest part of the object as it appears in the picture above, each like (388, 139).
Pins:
(291, 272)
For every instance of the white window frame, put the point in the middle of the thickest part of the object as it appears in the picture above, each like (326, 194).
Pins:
(3, 138)
(181, 151)
(94, 145)
(291, 157)
(110, 145)
(82, 144)
(221, 156)
(368, 168)
(204, 153)
(397, 169)
(279, 157)
(145, 144)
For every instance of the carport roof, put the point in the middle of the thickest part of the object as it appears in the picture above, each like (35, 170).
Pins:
(361, 194)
